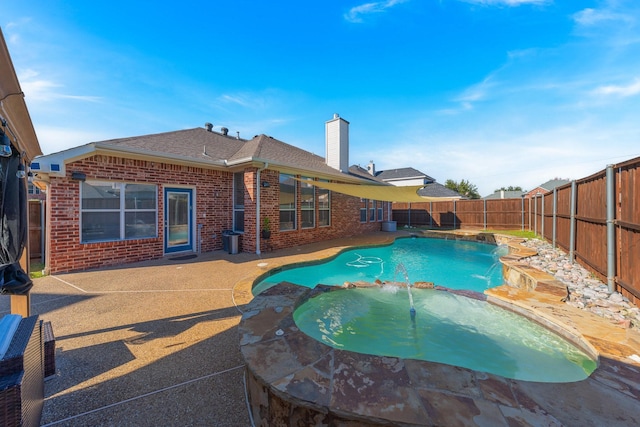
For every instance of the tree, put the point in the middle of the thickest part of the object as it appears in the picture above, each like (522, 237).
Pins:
(509, 188)
(464, 188)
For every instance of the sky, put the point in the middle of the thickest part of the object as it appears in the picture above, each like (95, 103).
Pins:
(497, 92)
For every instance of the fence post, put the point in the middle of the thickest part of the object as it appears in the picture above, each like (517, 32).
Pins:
(454, 214)
(409, 215)
(542, 218)
(611, 230)
(522, 208)
(430, 214)
(529, 198)
(572, 230)
(535, 214)
(485, 212)
(553, 224)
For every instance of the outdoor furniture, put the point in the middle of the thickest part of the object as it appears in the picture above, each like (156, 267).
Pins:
(22, 373)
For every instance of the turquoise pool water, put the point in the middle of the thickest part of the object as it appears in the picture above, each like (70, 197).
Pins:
(447, 328)
(452, 263)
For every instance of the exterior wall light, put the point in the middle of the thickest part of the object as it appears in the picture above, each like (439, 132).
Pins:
(5, 145)
(265, 184)
(20, 173)
(78, 176)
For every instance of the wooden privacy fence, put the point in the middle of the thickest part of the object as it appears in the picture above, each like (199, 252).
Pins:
(501, 214)
(595, 219)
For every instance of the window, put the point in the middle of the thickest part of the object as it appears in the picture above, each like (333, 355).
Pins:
(32, 189)
(308, 205)
(363, 210)
(380, 213)
(324, 207)
(372, 210)
(287, 202)
(239, 191)
(118, 211)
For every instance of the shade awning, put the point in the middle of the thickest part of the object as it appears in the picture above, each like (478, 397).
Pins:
(385, 193)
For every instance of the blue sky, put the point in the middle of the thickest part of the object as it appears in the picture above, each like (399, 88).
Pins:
(497, 92)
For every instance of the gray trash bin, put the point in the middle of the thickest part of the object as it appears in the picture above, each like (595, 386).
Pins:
(225, 239)
(233, 243)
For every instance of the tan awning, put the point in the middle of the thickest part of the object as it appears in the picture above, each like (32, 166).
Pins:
(385, 193)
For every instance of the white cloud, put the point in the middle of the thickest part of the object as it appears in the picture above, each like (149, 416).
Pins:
(36, 90)
(55, 139)
(357, 13)
(617, 90)
(590, 17)
(508, 2)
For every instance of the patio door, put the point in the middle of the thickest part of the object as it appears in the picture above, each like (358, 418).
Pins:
(178, 220)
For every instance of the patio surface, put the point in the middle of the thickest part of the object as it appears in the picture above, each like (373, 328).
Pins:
(156, 343)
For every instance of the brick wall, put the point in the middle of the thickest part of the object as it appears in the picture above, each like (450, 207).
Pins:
(66, 253)
(213, 206)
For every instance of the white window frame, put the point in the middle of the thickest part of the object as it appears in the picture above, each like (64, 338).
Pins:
(122, 210)
(237, 207)
(288, 209)
(306, 207)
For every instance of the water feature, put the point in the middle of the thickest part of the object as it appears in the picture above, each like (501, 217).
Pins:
(400, 269)
(450, 329)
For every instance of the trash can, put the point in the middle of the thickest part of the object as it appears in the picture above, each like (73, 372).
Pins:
(233, 243)
(225, 239)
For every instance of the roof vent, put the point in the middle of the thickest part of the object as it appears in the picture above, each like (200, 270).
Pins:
(209, 126)
(224, 131)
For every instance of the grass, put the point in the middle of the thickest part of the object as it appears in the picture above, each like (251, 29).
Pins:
(525, 234)
(516, 233)
(36, 270)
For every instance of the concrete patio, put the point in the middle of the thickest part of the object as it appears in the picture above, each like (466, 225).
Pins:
(155, 343)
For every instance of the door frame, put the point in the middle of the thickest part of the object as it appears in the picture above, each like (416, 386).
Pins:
(191, 244)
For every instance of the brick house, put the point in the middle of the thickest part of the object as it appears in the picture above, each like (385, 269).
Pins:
(146, 197)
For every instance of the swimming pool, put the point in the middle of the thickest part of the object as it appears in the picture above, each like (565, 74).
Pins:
(455, 264)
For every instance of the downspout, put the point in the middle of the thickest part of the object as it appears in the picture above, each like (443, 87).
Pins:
(258, 186)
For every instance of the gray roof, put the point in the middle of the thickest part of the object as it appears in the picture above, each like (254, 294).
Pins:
(402, 173)
(435, 189)
(215, 149)
(553, 183)
(506, 195)
(361, 172)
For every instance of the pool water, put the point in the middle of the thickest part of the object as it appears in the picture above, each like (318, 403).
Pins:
(447, 328)
(451, 263)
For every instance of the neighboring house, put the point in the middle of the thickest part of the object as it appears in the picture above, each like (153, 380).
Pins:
(406, 177)
(400, 177)
(435, 189)
(145, 197)
(504, 194)
(19, 145)
(547, 187)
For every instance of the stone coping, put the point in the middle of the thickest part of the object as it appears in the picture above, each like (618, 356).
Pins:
(292, 378)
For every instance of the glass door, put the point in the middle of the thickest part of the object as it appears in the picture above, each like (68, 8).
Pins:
(178, 228)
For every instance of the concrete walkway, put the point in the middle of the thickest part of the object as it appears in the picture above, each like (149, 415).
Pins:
(155, 343)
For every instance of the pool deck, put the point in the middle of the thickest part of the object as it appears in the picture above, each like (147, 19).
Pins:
(157, 343)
